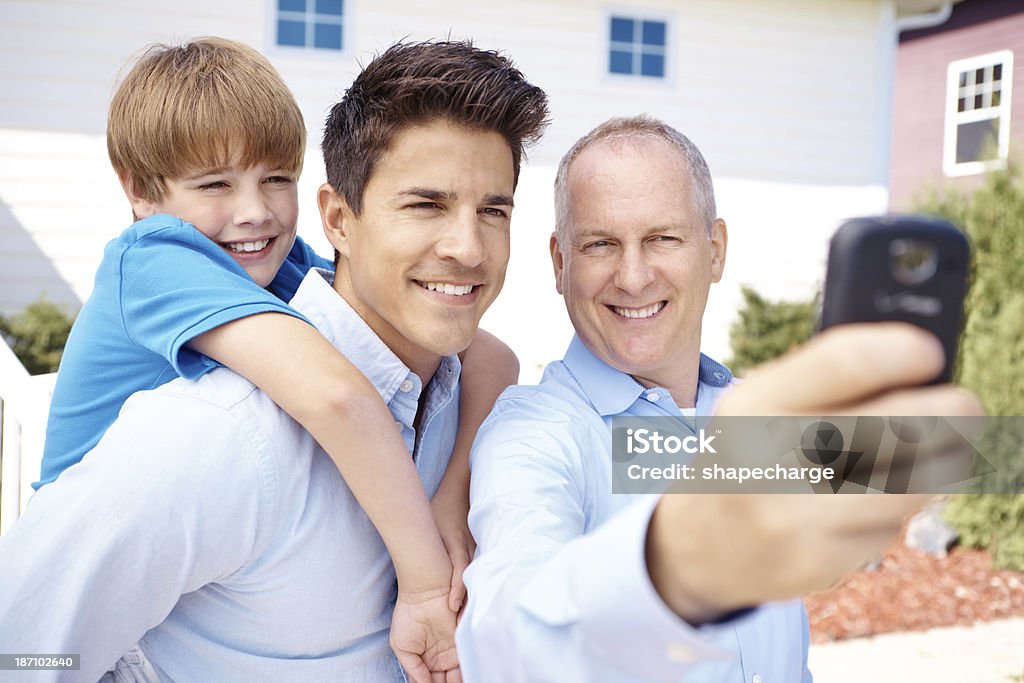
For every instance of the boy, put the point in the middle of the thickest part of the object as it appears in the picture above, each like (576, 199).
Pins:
(209, 134)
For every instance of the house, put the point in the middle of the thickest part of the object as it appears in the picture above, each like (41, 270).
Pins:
(957, 107)
(790, 101)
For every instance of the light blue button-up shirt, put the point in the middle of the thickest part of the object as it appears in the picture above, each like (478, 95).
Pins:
(209, 527)
(559, 589)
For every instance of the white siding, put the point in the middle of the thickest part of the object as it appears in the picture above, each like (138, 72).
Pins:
(788, 100)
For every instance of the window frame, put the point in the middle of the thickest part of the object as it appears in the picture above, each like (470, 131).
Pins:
(954, 118)
(309, 51)
(640, 14)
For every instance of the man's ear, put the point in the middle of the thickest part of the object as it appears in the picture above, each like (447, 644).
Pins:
(557, 261)
(719, 245)
(335, 215)
(141, 207)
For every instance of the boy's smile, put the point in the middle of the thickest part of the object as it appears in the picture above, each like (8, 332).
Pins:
(250, 212)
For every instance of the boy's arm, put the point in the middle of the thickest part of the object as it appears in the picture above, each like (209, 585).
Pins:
(488, 367)
(342, 410)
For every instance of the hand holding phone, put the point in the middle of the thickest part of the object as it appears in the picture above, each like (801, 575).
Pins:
(899, 268)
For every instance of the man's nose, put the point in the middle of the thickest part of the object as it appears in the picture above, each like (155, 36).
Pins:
(462, 239)
(634, 270)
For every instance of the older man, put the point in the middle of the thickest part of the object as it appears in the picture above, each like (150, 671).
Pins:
(573, 583)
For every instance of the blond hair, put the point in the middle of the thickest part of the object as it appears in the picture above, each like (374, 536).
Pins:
(207, 103)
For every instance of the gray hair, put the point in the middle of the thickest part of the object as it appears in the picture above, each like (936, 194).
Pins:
(634, 129)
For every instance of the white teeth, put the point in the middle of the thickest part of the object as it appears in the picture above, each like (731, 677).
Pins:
(639, 312)
(238, 247)
(447, 288)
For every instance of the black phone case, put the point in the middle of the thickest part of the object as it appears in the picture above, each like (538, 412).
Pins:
(860, 284)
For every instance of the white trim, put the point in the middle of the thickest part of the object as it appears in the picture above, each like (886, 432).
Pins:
(276, 51)
(638, 14)
(954, 118)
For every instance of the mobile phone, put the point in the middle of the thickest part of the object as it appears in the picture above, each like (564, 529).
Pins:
(905, 268)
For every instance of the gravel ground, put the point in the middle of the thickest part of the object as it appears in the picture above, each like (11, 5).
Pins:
(914, 592)
(919, 618)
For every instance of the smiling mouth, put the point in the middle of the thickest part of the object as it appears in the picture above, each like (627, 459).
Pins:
(638, 313)
(446, 288)
(247, 247)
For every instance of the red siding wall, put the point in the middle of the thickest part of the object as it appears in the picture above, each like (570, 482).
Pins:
(919, 101)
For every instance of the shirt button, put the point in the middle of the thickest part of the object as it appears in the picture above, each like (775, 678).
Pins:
(721, 375)
(678, 652)
(399, 425)
(756, 678)
(406, 386)
(653, 396)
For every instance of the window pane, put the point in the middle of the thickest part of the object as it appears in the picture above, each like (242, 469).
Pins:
(997, 72)
(960, 104)
(979, 76)
(963, 78)
(977, 102)
(622, 29)
(652, 65)
(996, 98)
(620, 62)
(327, 36)
(291, 33)
(654, 33)
(332, 7)
(292, 5)
(975, 141)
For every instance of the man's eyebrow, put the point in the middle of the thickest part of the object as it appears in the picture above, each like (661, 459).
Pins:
(498, 200)
(429, 193)
(442, 195)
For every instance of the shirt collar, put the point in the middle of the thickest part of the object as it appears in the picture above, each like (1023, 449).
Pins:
(347, 332)
(612, 392)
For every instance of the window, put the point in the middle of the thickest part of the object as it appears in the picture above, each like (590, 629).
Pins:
(977, 113)
(313, 24)
(637, 46)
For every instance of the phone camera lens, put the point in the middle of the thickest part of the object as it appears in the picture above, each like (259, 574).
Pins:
(912, 262)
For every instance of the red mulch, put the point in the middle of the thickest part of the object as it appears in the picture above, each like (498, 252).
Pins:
(913, 592)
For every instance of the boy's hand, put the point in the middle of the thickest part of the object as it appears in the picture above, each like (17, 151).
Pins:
(423, 636)
(451, 513)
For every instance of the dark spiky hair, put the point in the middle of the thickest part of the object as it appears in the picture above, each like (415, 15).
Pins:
(417, 83)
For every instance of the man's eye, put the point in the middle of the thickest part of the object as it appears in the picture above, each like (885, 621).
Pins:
(493, 211)
(425, 205)
(279, 180)
(215, 185)
(667, 239)
(596, 244)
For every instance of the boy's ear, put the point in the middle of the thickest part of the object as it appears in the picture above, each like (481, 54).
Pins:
(335, 215)
(141, 207)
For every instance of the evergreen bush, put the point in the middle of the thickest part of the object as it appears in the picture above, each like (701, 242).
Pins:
(766, 329)
(991, 360)
(37, 335)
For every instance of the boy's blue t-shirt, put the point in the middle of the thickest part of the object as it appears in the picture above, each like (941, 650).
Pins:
(161, 283)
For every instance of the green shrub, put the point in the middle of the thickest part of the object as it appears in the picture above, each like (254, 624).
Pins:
(991, 361)
(766, 329)
(37, 335)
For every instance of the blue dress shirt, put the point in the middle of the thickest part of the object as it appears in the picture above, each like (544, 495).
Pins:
(210, 528)
(559, 589)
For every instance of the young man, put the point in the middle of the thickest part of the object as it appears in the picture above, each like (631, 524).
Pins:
(207, 526)
(573, 583)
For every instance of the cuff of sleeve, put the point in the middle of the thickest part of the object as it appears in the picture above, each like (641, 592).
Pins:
(192, 364)
(620, 611)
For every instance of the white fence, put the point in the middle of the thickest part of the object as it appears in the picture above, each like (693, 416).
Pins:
(24, 403)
